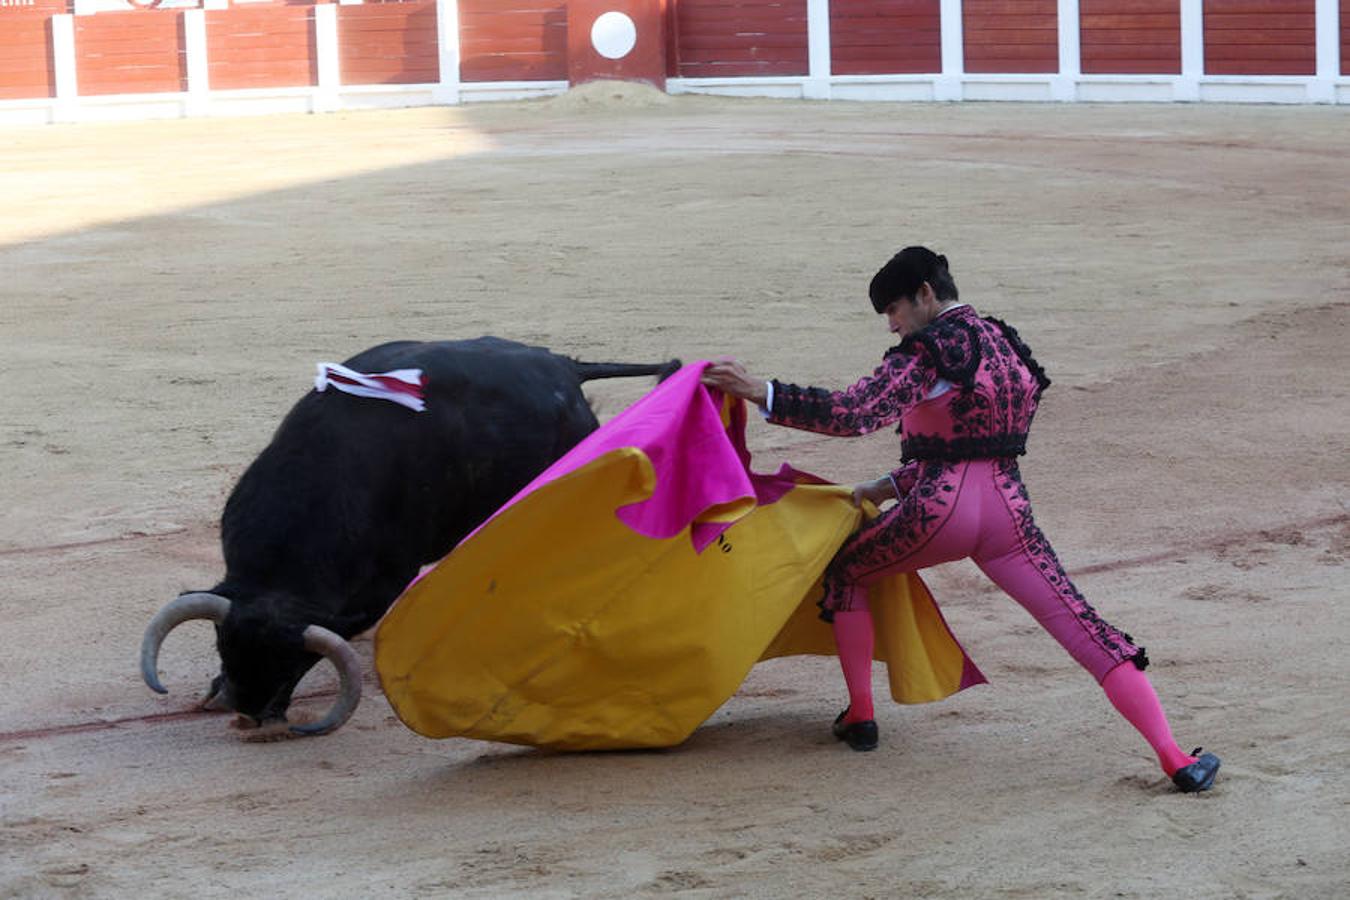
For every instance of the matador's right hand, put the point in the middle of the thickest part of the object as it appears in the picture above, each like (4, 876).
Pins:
(729, 376)
(876, 492)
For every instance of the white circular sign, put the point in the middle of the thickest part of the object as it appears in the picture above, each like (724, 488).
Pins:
(613, 35)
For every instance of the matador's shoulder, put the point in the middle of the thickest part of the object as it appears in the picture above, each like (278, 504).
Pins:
(951, 342)
(1023, 352)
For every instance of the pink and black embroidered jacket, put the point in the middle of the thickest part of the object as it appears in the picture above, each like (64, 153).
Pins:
(964, 387)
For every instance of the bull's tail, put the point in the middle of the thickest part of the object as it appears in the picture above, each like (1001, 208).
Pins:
(587, 371)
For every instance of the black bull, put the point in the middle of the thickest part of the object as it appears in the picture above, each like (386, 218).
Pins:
(353, 495)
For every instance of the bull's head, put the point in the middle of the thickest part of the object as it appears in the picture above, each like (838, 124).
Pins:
(260, 664)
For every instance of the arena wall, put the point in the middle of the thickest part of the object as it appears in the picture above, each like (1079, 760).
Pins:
(885, 37)
(260, 47)
(512, 40)
(26, 65)
(754, 38)
(1260, 37)
(75, 60)
(1142, 37)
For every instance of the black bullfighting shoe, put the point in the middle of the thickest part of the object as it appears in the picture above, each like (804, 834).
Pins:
(858, 735)
(1199, 775)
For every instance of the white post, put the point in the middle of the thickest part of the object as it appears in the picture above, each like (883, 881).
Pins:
(817, 86)
(1323, 89)
(63, 62)
(1065, 85)
(194, 48)
(948, 87)
(447, 48)
(326, 50)
(1192, 50)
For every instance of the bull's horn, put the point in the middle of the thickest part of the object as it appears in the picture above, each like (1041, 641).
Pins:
(320, 640)
(197, 605)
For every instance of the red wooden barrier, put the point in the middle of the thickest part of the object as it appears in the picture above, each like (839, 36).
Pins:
(1130, 37)
(714, 38)
(1260, 37)
(513, 40)
(132, 52)
(264, 47)
(26, 70)
(1011, 35)
(273, 45)
(645, 60)
(885, 37)
(1345, 37)
(388, 43)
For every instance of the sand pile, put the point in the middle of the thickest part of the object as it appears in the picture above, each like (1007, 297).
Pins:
(609, 95)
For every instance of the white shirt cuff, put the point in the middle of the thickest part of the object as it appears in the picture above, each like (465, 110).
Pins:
(767, 409)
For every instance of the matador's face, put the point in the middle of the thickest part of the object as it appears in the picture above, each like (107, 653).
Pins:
(906, 315)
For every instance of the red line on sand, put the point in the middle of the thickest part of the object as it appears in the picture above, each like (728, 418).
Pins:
(101, 725)
(109, 724)
(1110, 566)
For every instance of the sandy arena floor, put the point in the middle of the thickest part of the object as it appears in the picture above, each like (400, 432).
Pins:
(1183, 273)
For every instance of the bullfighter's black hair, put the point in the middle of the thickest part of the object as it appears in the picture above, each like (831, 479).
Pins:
(906, 272)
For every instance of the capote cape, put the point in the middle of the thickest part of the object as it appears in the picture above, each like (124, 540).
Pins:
(622, 596)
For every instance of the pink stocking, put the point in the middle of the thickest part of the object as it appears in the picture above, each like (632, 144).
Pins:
(853, 636)
(1133, 696)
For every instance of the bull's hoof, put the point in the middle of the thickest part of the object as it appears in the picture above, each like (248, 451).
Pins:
(219, 696)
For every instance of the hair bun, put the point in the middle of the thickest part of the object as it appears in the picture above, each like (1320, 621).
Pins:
(942, 260)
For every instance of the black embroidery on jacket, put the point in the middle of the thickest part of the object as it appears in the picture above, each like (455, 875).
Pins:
(932, 447)
(1023, 352)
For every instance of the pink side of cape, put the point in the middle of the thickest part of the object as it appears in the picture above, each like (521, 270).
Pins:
(678, 426)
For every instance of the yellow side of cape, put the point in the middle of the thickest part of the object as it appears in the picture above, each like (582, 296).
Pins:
(558, 626)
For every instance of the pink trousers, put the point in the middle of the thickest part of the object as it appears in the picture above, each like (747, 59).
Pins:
(977, 509)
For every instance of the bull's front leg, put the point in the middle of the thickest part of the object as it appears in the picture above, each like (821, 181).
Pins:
(219, 697)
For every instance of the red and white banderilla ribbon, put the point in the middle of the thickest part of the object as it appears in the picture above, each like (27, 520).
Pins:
(406, 387)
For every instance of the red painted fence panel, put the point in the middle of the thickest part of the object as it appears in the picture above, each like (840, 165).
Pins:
(1130, 37)
(388, 43)
(717, 38)
(1260, 37)
(508, 40)
(1345, 37)
(885, 37)
(26, 71)
(263, 47)
(1011, 36)
(130, 53)
(513, 40)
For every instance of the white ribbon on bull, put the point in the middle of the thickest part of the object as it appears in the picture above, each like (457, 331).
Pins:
(406, 387)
